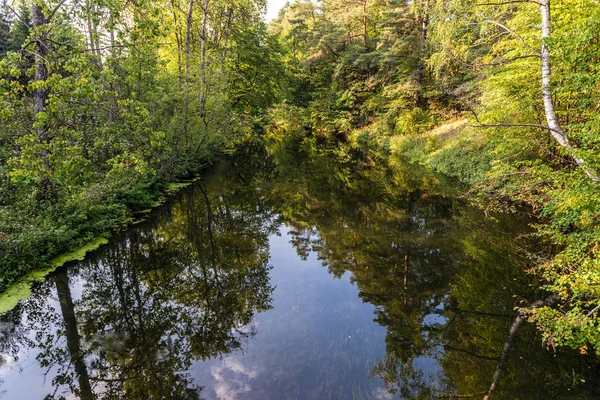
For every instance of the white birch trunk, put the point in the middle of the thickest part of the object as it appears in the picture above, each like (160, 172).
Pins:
(554, 126)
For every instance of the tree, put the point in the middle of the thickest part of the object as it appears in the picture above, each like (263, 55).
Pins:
(20, 27)
(4, 30)
(40, 95)
(94, 99)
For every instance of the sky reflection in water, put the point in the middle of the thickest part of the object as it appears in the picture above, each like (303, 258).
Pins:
(323, 279)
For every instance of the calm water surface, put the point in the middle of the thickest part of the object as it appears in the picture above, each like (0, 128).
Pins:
(314, 275)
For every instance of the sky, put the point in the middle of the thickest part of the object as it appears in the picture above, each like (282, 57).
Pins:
(273, 7)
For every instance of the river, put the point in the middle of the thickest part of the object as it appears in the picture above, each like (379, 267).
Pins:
(300, 275)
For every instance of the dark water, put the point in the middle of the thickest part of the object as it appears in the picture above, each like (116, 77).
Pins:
(314, 275)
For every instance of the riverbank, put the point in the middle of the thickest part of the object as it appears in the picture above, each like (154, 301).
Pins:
(21, 288)
(57, 235)
(261, 271)
(454, 148)
(499, 176)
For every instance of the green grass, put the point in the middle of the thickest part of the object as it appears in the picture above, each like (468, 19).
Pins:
(455, 149)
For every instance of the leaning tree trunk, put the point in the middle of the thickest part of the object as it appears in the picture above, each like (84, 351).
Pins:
(553, 125)
(76, 353)
(40, 97)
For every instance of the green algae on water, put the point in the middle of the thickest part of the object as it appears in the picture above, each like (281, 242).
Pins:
(78, 254)
(15, 293)
(21, 290)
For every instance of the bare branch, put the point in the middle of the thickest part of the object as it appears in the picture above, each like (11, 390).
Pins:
(507, 2)
(509, 60)
(507, 29)
(51, 15)
(592, 312)
(504, 125)
(512, 126)
(18, 16)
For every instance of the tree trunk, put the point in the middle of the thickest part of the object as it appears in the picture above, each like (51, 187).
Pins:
(365, 37)
(93, 33)
(113, 48)
(113, 110)
(186, 101)
(551, 300)
(177, 39)
(554, 126)
(203, 85)
(40, 97)
(227, 31)
(96, 38)
(424, 22)
(90, 29)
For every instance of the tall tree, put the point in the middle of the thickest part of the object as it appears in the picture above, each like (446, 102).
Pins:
(40, 95)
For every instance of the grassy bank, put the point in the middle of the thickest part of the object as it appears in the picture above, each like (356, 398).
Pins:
(566, 202)
(21, 289)
(37, 240)
(454, 148)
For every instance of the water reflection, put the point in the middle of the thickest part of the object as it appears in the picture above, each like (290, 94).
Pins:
(444, 278)
(384, 284)
(182, 288)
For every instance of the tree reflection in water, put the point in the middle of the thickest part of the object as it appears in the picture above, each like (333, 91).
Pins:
(183, 288)
(442, 276)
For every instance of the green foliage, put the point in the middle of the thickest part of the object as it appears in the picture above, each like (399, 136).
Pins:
(119, 117)
(454, 149)
(363, 76)
(528, 167)
(129, 97)
(351, 63)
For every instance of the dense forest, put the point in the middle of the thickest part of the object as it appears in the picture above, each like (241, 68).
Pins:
(517, 80)
(106, 102)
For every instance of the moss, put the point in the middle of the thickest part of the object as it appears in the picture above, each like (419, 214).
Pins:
(22, 289)
(15, 293)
